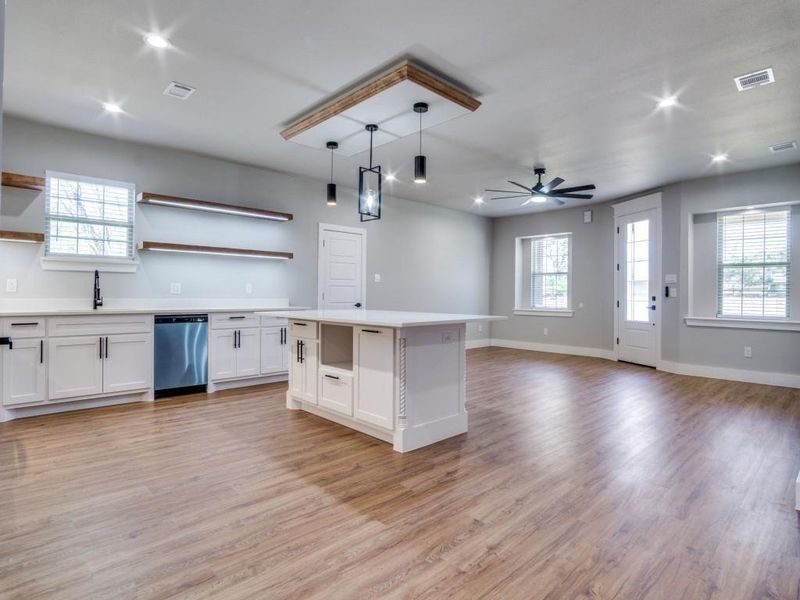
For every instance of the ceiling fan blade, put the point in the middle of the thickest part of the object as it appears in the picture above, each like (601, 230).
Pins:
(552, 185)
(537, 187)
(555, 200)
(504, 191)
(524, 187)
(507, 197)
(579, 188)
(528, 201)
(581, 196)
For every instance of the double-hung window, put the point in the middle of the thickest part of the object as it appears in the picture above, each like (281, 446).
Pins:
(753, 264)
(550, 264)
(86, 217)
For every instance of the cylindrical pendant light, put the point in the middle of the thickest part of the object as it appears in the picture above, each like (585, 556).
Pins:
(420, 162)
(332, 186)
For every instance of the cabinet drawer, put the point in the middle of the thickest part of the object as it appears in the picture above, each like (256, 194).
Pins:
(303, 329)
(234, 320)
(99, 325)
(23, 327)
(274, 321)
(336, 391)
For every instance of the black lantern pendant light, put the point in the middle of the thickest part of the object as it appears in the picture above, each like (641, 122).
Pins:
(332, 186)
(420, 162)
(369, 185)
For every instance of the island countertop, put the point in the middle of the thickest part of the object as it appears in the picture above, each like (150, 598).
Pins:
(382, 318)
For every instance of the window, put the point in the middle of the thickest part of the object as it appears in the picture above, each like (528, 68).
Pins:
(753, 257)
(550, 272)
(637, 258)
(87, 217)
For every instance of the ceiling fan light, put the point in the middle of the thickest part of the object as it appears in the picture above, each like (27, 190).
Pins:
(420, 169)
(539, 199)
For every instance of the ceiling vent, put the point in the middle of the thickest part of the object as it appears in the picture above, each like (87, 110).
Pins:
(181, 91)
(783, 147)
(755, 79)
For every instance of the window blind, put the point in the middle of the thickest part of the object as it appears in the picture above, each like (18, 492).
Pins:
(550, 272)
(88, 217)
(753, 264)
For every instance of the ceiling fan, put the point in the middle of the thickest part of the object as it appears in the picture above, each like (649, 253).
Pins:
(542, 192)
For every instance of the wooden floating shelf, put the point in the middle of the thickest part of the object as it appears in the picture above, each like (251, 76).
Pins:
(21, 236)
(217, 207)
(24, 182)
(194, 249)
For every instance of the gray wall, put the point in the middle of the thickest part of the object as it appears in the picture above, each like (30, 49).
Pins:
(429, 258)
(592, 325)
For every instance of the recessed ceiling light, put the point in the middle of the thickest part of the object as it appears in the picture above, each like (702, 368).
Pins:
(478, 199)
(391, 177)
(112, 108)
(667, 102)
(718, 158)
(156, 41)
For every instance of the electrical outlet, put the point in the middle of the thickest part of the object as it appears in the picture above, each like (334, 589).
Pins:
(11, 285)
(377, 277)
(248, 288)
(748, 352)
(447, 337)
(545, 330)
(175, 288)
(480, 327)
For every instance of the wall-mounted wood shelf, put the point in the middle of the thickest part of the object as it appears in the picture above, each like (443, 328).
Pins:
(194, 249)
(205, 205)
(25, 182)
(21, 236)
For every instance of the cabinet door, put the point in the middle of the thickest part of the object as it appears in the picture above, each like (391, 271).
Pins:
(336, 391)
(223, 355)
(24, 380)
(127, 362)
(76, 368)
(273, 350)
(310, 371)
(375, 376)
(297, 370)
(248, 357)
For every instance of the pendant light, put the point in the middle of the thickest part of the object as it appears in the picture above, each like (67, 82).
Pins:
(420, 162)
(332, 186)
(369, 185)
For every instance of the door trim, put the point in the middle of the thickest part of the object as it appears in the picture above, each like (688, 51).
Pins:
(323, 227)
(624, 209)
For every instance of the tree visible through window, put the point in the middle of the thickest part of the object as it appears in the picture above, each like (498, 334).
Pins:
(550, 272)
(753, 264)
(88, 217)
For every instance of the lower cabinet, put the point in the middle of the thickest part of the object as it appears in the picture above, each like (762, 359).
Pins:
(235, 353)
(274, 350)
(24, 372)
(127, 362)
(336, 391)
(303, 370)
(374, 360)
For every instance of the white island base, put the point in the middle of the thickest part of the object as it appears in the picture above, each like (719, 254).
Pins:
(396, 376)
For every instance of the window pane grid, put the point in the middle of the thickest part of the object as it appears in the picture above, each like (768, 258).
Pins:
(637, 263)
(753, 264)
(88, 217)
(550, 272)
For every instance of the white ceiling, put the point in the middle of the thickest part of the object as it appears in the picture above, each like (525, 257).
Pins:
(570, 84)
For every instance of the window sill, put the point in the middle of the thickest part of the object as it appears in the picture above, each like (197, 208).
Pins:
(742, 323)
(75, 263)
(543, 312)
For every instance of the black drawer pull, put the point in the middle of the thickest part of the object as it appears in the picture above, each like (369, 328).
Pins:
(31, 324)
(41, 352)
(233, 318)
(370, 331)
(332, 376)
(300, 324)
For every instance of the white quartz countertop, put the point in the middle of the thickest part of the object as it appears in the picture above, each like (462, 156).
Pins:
(383, 318)
(172, 310)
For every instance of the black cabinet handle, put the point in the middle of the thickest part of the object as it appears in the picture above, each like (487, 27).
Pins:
(106, 347)
(41, 352)
(302, 351)
(234, 318)
(300, 324)
(6, 341)
(30, 324)
(331, 376)
(101, 348)
(370, 331)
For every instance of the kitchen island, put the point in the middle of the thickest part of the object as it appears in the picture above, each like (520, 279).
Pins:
(397, 376)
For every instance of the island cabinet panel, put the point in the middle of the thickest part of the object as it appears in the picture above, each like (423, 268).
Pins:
(303, 369)
(24, 372)
(374, 375)
(336, 391)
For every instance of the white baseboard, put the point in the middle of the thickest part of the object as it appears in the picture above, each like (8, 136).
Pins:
(766, 377)
(481, 343)
(240, 383)
(554, 348)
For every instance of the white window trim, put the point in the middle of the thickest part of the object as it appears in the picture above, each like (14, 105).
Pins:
(528, 311)
(744, 323)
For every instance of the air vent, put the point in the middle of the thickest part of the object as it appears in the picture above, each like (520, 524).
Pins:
(755, 79)
(181, 91)
(783, 147)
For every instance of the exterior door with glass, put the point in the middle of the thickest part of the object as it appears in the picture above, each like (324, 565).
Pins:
(637, 287)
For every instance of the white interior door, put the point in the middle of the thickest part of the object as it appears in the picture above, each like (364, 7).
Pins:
(637, 287)
(342, 267)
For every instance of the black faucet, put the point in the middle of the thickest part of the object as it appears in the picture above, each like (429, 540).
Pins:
(97, 298)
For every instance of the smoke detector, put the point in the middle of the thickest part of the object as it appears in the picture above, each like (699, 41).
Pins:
(754, 79)
(181, 91)
(783, 146)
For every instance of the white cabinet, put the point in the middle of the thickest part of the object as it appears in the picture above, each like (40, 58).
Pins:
(374, 374)
(76, 366)
(24, 372)
(336, 391)
(127, 362)
(303, 370)
(274, 350)
(235, 353)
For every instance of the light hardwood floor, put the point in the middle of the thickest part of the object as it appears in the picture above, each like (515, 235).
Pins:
(579, 478)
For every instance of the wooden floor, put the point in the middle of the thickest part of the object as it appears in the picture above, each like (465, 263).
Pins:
(579, 478)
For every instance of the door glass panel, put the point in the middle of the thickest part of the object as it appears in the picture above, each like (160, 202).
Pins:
(638, 271)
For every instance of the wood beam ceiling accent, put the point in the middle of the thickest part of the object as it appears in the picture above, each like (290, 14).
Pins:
(222, 251)
(404, 71)
(25, 182)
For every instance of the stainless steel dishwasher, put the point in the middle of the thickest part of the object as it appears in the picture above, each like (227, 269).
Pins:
(181, 354)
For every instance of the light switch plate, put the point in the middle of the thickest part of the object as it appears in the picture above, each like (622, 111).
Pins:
(587, 216)
(248, 288)
(11, 285)
(377, 277)
(673, 291)
(175, 288)
(670, 278)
